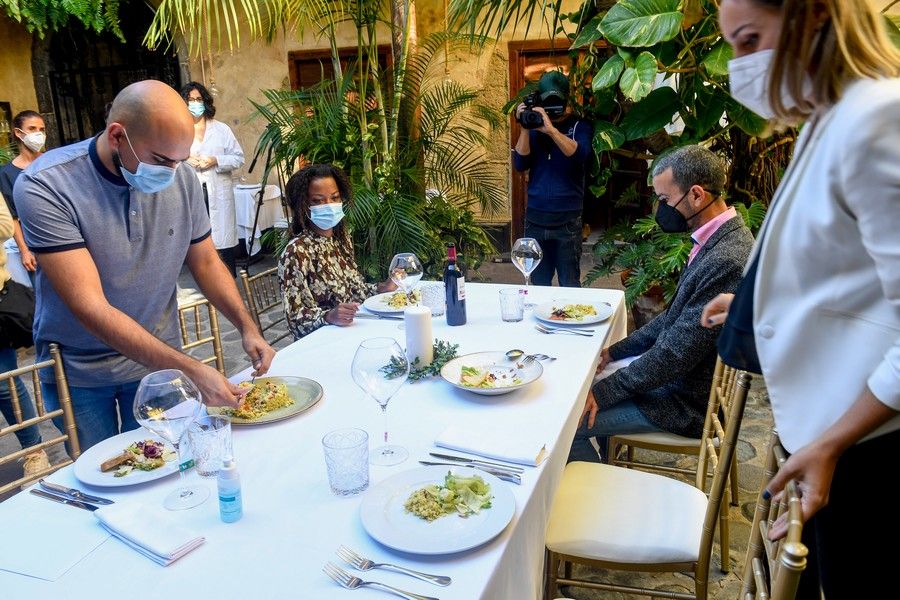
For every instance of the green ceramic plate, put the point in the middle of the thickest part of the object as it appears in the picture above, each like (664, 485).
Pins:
(305, 393)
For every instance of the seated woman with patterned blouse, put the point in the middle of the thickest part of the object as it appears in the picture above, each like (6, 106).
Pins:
(319, 277)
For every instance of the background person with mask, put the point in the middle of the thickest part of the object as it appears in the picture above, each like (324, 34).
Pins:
(319, 277)
(112, 220)
(215, 153)
(819, 308)
(29, 129)
(555, 155)
(658, 378)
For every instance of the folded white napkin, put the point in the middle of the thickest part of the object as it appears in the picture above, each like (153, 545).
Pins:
(494, 444)
(150, 530)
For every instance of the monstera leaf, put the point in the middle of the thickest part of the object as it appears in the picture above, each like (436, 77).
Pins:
(716, 60)
(637, 80)
(606, 137)
(641, 23)
(650, 114)
(609, 73)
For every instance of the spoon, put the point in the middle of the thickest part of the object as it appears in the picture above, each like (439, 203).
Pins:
(516, 354)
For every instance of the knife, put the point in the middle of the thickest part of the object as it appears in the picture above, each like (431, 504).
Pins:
(368, 316)
(73, 493)
(498, 473)
(475, 461)
(63, 500)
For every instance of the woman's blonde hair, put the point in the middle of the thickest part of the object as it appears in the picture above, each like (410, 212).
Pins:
(850, 43)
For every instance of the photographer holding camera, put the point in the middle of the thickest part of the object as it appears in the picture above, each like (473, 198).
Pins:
(553, 146)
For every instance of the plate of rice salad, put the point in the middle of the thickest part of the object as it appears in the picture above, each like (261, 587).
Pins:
(272, 399)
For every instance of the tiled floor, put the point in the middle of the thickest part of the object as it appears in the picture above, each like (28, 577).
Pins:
(757, 421)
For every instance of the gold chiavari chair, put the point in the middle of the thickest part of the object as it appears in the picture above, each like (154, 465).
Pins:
(198, 329)
(68, 435)
(630, 520)
(772, 569)
(723, 382)
(263, 293)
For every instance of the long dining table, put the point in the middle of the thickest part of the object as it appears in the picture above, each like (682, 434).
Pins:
(292, 523)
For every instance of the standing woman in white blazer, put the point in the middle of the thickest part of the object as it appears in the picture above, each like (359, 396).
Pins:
(819, 308)
(215, 153)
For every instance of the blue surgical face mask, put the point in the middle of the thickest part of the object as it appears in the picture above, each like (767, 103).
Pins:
(147, 178)
(326, 216)
(197, 108)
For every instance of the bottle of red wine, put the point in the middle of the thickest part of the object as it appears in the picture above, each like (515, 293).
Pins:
(455, 289)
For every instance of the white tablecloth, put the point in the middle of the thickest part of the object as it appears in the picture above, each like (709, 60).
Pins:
(271, 213)
(292, 524)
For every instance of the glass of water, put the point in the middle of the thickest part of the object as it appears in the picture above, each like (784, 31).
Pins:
(526, 256)
(210, 439)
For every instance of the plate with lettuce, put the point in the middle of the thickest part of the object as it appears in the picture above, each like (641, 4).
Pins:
(437, 510)
(490, 373)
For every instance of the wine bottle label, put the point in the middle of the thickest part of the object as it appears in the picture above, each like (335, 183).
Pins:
(461, 289)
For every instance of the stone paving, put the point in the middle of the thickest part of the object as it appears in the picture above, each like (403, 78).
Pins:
(754, 432)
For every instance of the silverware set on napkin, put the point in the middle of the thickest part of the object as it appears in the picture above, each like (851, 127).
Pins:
(551, 330)
(360, 563)
(69, 496)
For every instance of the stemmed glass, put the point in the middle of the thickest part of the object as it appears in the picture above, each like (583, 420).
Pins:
(380, 368)
(166, 403)
(526, 256)
(406, 270)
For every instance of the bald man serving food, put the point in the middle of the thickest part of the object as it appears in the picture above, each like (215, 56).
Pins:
(113, 219)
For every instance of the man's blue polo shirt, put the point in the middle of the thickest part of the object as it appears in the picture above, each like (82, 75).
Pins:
(67, 199)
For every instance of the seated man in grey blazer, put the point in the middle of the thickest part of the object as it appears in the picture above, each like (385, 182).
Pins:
(658, 378)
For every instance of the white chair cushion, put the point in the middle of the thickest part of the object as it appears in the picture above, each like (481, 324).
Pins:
(625, 515)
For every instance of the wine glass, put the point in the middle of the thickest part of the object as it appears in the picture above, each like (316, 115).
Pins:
(526, 256)
(380, 368)
(406, 270)
(166, 403)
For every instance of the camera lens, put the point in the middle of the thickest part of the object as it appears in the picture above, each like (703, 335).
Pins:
(530, 119)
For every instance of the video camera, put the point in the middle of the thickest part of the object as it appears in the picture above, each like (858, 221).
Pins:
(551, 101)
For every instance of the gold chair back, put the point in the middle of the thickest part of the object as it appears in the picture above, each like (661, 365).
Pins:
(718, 448)
(69, 435)
(199, 329)
(263, 294)
(778, 577)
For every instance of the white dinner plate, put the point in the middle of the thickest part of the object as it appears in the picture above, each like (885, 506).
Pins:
(499, 364)
(384, 517)
(379, 303)
(543, 311)
(87, 467)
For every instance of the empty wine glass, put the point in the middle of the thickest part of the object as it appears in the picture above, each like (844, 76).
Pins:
(380, 368)
(166, 403)
(406, 271)
(526, 256)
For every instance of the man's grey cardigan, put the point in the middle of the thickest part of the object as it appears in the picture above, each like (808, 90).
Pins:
(670, 381)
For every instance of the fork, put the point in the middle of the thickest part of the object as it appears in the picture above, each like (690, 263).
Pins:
(572, 331)
(345, 579)
(364, 564)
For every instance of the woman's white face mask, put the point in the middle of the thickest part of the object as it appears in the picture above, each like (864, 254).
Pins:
(34, 141)
(749, 79)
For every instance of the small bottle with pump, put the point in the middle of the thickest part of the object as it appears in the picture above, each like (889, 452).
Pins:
(229, 482)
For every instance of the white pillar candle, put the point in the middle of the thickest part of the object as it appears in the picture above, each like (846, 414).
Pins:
(419, 344)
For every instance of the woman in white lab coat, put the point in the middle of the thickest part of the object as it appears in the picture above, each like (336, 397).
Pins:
(215, 153)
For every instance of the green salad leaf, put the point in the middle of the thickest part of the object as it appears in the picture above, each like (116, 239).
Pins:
(461, 495)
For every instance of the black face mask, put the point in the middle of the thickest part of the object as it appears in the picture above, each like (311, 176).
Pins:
(672, 221)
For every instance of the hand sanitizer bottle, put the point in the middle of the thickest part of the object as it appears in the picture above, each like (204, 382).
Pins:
(229, 482)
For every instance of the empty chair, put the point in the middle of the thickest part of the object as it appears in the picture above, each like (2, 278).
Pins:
(68, 435)
(263, 293)
(772, 569)
(630, 520)
(723, 382)
(199, 324)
